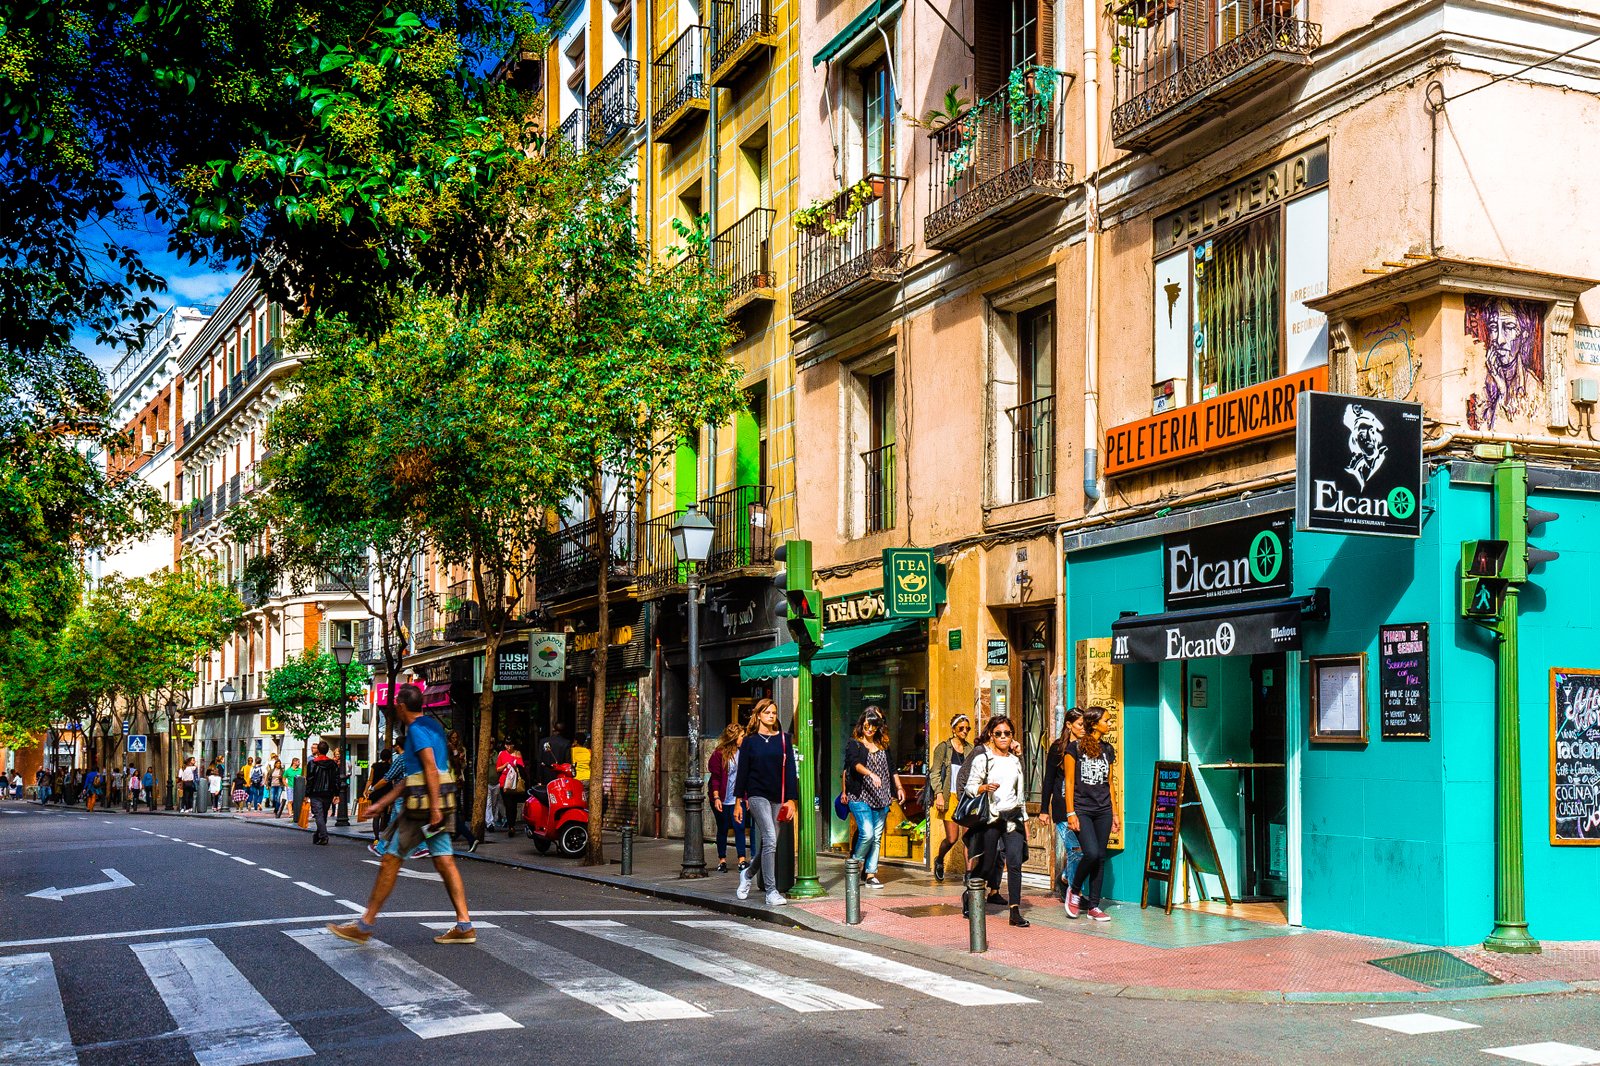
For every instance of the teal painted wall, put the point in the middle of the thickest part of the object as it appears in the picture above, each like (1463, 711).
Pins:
(1398, 836)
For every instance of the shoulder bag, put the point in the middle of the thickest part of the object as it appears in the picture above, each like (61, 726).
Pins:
(974, 810)
(783, 781)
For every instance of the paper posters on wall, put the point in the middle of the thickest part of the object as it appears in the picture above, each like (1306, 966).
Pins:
(1305, 277)
(1172, 323)
(1099, 684)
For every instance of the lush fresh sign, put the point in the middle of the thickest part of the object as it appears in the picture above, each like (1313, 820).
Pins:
(911, 585)
(1359, 466)
(1232, 562)
(512, 666)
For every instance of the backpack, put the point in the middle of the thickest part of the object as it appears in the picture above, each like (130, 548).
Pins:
(255, 776)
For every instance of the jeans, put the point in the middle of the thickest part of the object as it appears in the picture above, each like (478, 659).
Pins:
(1094, 829)
(1068, 852)
(512, 801)
(277, 800)
(319, 811)
(870, 822)
(726, 825)
(765, 814)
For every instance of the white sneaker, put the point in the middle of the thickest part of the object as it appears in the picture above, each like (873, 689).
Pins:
(743, 891)
(776, 899)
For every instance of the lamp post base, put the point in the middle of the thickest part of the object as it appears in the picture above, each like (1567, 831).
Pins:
(694, 835)
(1511, 938)
(807, 888)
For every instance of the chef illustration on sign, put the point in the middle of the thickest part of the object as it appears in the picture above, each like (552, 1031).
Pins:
(1367, 450)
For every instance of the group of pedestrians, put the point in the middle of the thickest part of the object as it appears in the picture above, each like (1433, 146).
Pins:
(124, 786)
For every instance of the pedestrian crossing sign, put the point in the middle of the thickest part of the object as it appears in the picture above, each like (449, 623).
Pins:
(138, 744)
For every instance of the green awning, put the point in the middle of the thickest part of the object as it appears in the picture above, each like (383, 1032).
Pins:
(844, 37)
(832, 658)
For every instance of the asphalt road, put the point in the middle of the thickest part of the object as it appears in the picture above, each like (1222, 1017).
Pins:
(214, 953)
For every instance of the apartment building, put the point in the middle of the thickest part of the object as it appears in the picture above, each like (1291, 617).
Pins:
(1062, 344)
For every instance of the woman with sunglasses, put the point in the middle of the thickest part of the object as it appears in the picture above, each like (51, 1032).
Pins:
(944, 768)
(866, 789)
(996, 769)
(766, 782)
(1092, 817)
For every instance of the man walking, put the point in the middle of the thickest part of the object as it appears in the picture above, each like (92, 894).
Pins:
(186, 784)
(322, 784)
(426, 753)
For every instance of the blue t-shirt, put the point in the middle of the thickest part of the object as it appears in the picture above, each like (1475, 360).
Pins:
(424, 733)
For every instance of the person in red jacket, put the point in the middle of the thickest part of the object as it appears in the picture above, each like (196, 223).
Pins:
(513, 784)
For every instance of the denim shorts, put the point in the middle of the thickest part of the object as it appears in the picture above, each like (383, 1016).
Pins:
(405, 833)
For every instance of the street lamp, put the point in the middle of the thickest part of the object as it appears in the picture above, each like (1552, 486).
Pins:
(343, 652)
(228, 694)
(691, 542)
(172, 712)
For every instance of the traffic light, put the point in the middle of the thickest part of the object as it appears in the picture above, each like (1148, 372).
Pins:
(1483, 580)
(1515, 521)
(802, 607)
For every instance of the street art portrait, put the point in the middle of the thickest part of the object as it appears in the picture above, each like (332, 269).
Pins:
(1511, 335)
(1389, 364)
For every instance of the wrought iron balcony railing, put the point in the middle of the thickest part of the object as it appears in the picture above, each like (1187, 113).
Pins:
(741, 255)
(998, 162)
(1184, 60)
(368, 642)
(571, 133)
(679, 83)
(427, 630)
(857, 251)
(1033, 449)
(658, 564)
(741, 30)
(614, 104)
(741, 534)
(463, 619)
(878, 488)
(569, 561)
(342, 582)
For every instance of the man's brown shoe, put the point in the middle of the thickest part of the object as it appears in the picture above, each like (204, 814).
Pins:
(350, 931)
(454, 935)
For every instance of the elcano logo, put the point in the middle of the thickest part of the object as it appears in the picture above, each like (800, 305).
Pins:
(1231, 561)
(1266, 556)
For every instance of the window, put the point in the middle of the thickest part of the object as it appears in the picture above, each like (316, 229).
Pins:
(341, 631)
(877, 119)
(878, 459)
(1009, 34)
(1032, 420)
(754, 186)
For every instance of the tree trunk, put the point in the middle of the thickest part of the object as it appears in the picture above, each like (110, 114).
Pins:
(493, 632)
(597, 704)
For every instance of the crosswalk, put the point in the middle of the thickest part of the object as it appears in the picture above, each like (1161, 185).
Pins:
(1540, 1053)
(259, 1022)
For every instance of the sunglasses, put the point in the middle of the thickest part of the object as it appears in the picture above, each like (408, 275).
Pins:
(1001, 733)
(963, 729)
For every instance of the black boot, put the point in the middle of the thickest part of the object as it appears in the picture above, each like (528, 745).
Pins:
(1018, 920)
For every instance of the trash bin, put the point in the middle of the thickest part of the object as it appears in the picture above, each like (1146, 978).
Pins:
(202, 794)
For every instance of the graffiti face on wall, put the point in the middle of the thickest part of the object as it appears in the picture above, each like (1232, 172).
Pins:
(1389, 365)
(1510, 334)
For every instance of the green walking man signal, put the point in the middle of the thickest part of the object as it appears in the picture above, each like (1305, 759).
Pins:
(1483, 580)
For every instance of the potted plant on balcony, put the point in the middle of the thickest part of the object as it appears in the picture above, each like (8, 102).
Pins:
(939, 120)
(834, 214)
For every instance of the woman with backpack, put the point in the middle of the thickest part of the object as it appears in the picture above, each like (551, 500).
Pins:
(995, 770)
(258, 784)
(765, 783)
(723, 767)
(867, 789)
(1088, 773)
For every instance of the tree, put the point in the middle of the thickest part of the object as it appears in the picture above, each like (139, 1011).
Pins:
(304, 693)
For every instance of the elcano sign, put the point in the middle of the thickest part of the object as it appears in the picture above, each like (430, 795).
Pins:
(1358, 466)
(1234, 418)
(911, 587)
(1233, 562)
(547, 657)
(1158, 640)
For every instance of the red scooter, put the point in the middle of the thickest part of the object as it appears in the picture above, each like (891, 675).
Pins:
(558, 813)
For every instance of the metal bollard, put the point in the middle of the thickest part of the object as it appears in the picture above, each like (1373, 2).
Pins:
(627, 851)
(852, 892)
(977, 934)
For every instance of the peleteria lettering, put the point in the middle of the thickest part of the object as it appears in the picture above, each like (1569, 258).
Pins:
(1330, 497)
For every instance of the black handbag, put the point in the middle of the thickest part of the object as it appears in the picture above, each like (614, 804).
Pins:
(974, 810)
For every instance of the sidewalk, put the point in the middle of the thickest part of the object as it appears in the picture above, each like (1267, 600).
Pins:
(1139, 954)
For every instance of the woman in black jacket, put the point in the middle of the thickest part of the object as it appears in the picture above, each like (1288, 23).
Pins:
(1053, 804)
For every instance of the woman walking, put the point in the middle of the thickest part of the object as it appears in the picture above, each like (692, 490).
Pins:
(944, 768)
(1088, 769)
(513, 785)
(275, 781)
(996, 769)
(765, 785)
(1053, 807)
(458, 757)
(867, 789)
(722, 768)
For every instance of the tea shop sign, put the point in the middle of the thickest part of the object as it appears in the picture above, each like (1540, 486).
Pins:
(911, 585)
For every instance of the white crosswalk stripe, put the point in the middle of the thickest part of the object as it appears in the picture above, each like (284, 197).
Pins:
(236, 1029)
(796, 993)
(425, 1002)
(949, 989)
(32, 1016)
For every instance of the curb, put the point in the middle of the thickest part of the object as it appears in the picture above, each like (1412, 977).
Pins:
(962, 960)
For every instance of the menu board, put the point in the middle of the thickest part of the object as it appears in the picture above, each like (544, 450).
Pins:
(1165, 798)
(1575, 757)
(1403, 708)
(1178, 819)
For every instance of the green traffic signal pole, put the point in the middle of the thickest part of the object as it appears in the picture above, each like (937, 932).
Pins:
(797, 561)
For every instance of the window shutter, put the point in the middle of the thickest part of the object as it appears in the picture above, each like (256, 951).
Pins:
(991, 45)
(1047, 33)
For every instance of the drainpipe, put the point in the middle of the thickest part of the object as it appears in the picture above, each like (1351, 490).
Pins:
(1091, 252)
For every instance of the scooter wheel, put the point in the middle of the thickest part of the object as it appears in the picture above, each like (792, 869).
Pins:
(542, 846)
(574, 840)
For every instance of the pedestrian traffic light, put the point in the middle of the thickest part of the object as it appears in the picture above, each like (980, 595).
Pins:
(802, 606)
(1483, 581)
(1515, 521)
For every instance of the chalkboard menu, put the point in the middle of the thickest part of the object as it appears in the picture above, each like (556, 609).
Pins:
(1164, 800)
(1575, 757)
(1403, 708)
(1178, 819)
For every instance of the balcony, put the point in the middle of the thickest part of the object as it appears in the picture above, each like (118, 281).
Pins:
(998, 163)
(1033, 449)
(428, 630)
(614, 104)
(742, 32)
(248, 594)
(1183, 61)
(741, 541)
(678, 74)
(741, 256)
(332, 581)
(570, 132)
(235, 488)
(877, 485)
(855, 252)
(463, 619)
(369, 642)
(569, 562)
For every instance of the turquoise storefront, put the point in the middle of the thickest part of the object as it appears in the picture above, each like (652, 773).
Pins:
(1390, 836)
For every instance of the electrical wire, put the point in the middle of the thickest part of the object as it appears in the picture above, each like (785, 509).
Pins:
(1531, 66)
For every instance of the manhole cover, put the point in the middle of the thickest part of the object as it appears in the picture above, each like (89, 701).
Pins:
(927, 910)
(1436, 969)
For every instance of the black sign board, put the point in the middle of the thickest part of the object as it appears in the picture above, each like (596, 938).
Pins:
(1171, 637)
(1232, 562)
(513, 666)
(1403, 709)
(999, 652)
(1178, 819)
(1575, 757)
(1359, 466)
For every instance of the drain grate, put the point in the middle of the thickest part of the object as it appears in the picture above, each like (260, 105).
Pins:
(927, 910)
(1436, 969)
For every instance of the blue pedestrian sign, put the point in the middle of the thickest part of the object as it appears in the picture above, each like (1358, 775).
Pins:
(138, 744)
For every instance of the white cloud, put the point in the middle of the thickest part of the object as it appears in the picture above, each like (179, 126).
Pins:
(205, 288)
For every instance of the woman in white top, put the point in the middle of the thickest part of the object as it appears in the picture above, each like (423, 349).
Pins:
(995, 769)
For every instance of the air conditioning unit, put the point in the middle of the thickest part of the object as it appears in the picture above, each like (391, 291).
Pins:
(147, 443)
(163, 437)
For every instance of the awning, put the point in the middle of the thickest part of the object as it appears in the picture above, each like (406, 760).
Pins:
(878, 9)
(1237, 629)
(832, 658)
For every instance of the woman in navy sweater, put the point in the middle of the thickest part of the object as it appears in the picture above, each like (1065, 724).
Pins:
(766, 784)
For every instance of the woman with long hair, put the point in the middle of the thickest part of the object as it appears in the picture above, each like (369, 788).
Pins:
(996, 769)
(867, 781)
(766, 783)
(943, 769)
(1090, 812)
(1053, 802)
(721, 770)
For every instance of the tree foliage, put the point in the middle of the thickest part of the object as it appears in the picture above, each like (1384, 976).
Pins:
(304, 693)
